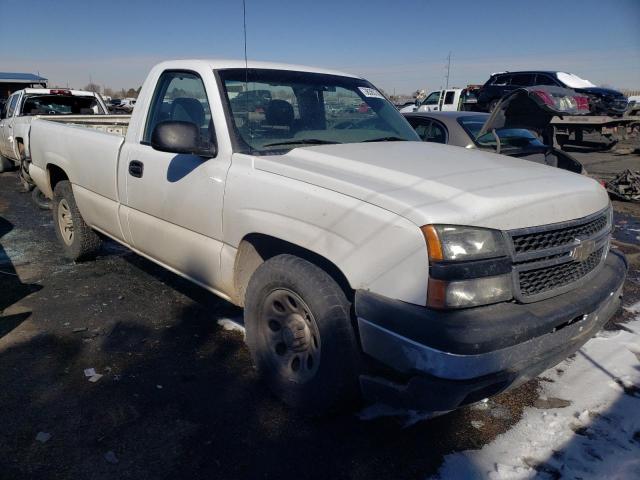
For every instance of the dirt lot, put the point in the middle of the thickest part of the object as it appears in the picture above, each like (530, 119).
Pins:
(178, 397)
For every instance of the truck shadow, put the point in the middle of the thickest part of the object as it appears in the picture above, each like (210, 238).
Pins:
(11, 287)
(179, 398)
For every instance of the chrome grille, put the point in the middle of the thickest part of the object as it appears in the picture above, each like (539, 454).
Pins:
(558, 237)
(552, 259)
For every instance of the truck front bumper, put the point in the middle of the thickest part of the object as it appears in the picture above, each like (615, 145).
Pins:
(441, 360)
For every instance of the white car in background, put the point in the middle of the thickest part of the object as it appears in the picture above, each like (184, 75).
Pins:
(127, 105)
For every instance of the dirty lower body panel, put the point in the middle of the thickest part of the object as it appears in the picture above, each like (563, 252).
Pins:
(450, 359)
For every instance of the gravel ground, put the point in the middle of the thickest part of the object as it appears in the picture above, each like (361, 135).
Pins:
(178, 397)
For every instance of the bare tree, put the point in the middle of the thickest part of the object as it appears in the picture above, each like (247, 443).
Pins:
(92, 87)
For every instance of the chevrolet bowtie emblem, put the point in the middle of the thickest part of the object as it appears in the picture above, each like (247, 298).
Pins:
(583, 249)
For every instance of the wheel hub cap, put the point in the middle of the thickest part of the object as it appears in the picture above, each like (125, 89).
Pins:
(291, 335)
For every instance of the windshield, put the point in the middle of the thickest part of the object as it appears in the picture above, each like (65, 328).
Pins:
(60, 105)
(276, 110)
(509, 137)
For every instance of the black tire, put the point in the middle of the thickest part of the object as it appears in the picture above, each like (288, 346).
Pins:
(329, 381)
(78, 241)
(40, 200)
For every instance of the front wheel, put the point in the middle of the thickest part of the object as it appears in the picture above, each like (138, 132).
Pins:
(78, 240)
(299, 332)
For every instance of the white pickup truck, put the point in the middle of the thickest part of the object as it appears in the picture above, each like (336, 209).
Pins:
(448, 100)
(24, 105)
(367, 262)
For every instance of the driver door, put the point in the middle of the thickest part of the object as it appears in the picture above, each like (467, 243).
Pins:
(431, 103)
(173, 202)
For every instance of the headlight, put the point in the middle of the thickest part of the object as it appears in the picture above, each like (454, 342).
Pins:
(461, 272)
(451, 242)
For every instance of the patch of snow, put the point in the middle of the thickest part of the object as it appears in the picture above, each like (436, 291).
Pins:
(597, 436)
(573, 81)
(232, 325)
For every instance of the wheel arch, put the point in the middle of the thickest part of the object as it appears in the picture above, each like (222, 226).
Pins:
(256, 248)
(55, 175)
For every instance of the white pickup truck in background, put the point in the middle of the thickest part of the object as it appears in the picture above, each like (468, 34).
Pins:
(367, 261)
(24, 105)
(447, 100)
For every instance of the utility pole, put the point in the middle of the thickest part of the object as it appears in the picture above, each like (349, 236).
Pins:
(448, 69)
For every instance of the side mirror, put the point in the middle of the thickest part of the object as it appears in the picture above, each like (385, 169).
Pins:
(417, 103)
(181, 137)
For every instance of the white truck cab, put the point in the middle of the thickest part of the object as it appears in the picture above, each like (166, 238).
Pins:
(446, 100)
(367, 262)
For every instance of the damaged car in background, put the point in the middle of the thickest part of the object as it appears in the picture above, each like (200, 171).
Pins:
(518, 126)
(602, 101)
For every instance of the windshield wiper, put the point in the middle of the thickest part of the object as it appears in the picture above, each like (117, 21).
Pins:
(303, 141)
(386, 139)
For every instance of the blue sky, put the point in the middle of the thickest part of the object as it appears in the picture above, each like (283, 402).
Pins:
(399, 45)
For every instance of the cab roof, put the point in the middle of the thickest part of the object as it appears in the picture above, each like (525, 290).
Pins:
(222, 63)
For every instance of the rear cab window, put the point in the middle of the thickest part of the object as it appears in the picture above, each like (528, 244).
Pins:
(60, 104)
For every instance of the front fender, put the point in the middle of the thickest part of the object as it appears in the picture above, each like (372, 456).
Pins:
(375, 249)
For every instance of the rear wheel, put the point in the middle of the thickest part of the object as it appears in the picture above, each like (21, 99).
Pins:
(300, 335)
(40, 200)
(78, 241)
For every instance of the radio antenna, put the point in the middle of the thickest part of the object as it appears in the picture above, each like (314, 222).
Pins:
(244, 28)
(246, 68)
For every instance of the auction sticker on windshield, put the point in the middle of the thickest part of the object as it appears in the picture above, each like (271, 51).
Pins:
(370, 92)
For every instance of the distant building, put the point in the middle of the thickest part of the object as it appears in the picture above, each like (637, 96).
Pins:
(10, 82)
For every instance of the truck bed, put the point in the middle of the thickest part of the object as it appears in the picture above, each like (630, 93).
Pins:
(114, 124)
(85, 147)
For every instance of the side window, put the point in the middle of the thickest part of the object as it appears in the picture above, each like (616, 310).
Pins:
(436, 133)
(448, 98)
(544, 80)
(180, 96)
(421, 127)
(13, 101)
(523, 79)
(500, 80)
(432, 99)
(429, 131)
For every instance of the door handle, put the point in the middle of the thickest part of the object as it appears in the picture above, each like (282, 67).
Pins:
(136, 168)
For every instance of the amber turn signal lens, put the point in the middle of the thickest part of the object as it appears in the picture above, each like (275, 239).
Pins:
(436, 293)
(433, 242)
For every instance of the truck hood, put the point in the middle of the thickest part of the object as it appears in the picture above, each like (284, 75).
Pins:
(431, 183)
